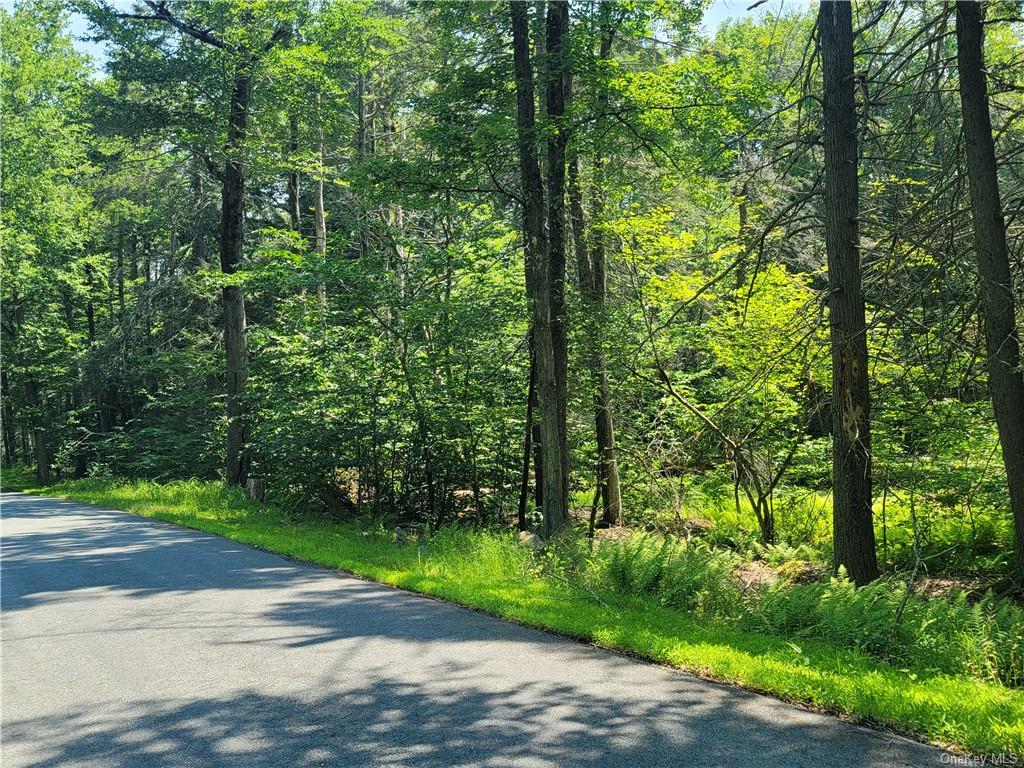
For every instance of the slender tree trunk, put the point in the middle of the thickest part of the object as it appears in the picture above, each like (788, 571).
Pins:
(1005, 379)
(133, 257)
(231, 235)
(90, 310)
(593, 293)
(538, 283)
(524, 485)
(608, 468)
(293, 175)
(852, 524)
(744, 234)
(199, 215)
(9, 433)
(90, 316)
(557, 75)
(362, 152)
(120, 277)
(41, 454)
(319, 217)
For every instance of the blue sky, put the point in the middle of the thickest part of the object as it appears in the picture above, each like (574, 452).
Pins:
(719, 11)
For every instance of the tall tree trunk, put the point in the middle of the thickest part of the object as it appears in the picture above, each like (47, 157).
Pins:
(1005, 379)
(120, 275)
(90, 317)
(293, 175)
(319, 217)
(73, 399)
(90, 309)
(592, 289)
(198, 214)
(611, 493)
(41, 453)
(9, 433)
(743, 235)
(133, 257)
(556, 76)
(524, 485)
(362, 152)
(231, 235)
(538, 284)
(852, 524)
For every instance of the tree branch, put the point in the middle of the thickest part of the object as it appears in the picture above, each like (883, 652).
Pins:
(203, 35)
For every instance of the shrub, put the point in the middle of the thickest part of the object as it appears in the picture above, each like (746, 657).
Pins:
(678, 574)
(984, 639)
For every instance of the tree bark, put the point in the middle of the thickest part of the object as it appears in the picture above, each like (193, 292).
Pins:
(231, 235)
(1002, 341)
(538, 285)
(556, 76)
(852, 524)
(524, 484)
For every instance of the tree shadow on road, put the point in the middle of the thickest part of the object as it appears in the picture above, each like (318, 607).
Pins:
(396, 723)
(70, 548)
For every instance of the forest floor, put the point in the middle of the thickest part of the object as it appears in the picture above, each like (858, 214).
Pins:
(489, 572)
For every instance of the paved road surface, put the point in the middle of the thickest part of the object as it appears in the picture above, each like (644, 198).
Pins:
(129, 643)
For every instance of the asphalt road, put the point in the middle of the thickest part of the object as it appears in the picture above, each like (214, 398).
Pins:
(131, 643)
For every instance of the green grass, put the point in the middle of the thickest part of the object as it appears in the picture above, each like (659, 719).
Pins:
(488, 571)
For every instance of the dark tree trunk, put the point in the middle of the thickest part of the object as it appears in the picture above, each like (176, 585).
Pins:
(90, 316)
(293, 175)
(9, 433)
(231, 235)
(557, 76)
(852, 524)
(538, 283)
(41, 454)
(592, 289)
(1006, 382)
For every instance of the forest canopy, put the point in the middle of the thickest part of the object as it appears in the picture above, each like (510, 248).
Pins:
(558, 266)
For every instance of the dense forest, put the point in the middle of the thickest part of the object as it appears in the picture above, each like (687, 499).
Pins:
(577, 268)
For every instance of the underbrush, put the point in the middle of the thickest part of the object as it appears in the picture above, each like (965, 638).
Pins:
(940, 523)
(983, 639)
